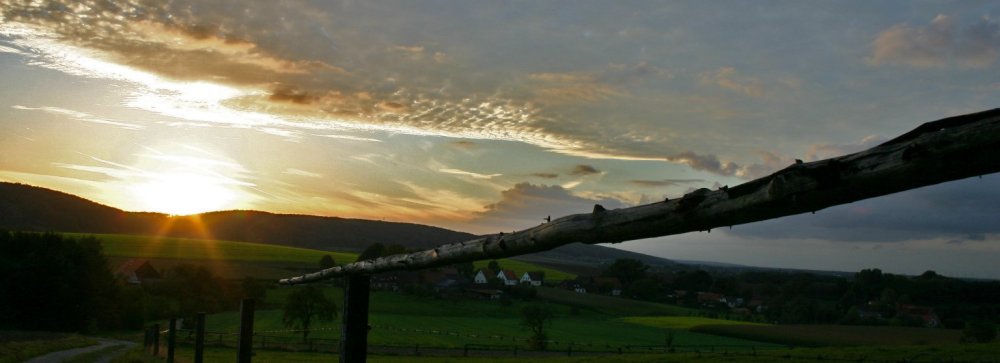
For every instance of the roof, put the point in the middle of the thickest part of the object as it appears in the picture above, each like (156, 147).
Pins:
(137, 269)
(508, 274)
(535, 275)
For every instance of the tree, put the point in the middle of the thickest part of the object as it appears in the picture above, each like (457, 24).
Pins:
(536, 317)
(305, 304)
(627, 270)
(493, 266)
(326, 262)
(374, 250)
(56, 283)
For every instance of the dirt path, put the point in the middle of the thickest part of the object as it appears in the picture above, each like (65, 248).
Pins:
(70, 353)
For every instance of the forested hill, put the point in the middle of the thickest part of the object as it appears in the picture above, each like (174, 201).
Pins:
(24, 207)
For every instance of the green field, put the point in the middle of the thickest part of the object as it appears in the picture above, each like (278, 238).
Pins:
(680, 322)
(587, 322)
(116, 245)
(900, 353)
(398, 319)
(612, 305)
(835, 335)
(17, 346)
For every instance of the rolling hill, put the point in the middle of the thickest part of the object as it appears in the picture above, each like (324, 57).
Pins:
(30, 208)
(24, 207)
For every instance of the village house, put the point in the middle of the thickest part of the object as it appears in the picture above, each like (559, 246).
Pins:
(483, 276)
(924, 314)
(579, 284)
(534, 278)
(710, 299)
(507, 277)
(137, 271)
(608, 285)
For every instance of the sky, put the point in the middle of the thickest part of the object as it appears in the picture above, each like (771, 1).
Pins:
(488, 116)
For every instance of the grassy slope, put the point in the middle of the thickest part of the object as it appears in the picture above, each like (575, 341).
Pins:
(917, 353)
(612, 305)
(254, 258)
(206, 249)
(835, 335)
(228, 259)
(19, 346)
(407, 320)
(680, 322)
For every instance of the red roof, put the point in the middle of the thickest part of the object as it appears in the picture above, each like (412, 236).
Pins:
(508, 274)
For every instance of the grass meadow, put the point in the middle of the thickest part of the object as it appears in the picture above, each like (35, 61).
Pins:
(587, 322)
(897, 353)
(410, 320)
(16, 346)
(835, 335)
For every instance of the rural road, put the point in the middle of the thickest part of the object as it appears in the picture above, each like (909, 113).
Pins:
(70, 353)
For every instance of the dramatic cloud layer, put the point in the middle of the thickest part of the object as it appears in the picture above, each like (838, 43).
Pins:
(940, 43)
(451, 114)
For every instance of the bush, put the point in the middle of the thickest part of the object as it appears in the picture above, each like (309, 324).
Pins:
(979, 332)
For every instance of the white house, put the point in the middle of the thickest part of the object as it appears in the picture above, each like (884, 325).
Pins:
(483, 276)
(508, 277)
(534, 278)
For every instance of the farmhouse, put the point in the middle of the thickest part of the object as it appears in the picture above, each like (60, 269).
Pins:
(608, 285)
(483, 276)
(508, 277)
(924, 314)
(137, 271)
(534, 278)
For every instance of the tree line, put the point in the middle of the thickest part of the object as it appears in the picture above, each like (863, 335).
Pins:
(53, 282)
(869, 297)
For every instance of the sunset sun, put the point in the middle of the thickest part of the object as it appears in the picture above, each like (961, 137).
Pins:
(184, 193)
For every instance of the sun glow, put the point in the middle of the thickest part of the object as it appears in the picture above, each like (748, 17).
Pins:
(184, 193)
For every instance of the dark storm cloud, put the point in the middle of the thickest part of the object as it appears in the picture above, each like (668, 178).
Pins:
(584, 169)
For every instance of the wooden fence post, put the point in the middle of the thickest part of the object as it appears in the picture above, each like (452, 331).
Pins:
(244, 347)
(156, 340)
(354, 331)
(171, 340)
(199, 338)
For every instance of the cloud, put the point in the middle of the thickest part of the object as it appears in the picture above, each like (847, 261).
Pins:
(349, 137)
(727, 78)
(463, 144)
(300, 172)
(81, 116)
(964, 209)
(582, 169)
(526, 205)
(469, 173)
(576, 87)
(545, 175)
(938, 44)
(663, 182)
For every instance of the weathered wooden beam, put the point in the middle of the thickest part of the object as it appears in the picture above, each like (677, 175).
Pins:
(944, 150)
